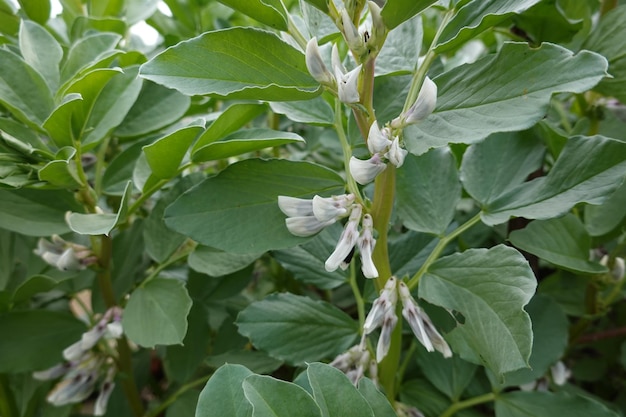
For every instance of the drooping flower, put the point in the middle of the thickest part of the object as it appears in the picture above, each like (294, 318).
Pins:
(333, 207)
(618, 269)
(348, 84)
(421, 325)
(396, 154)
(424, 105)
(377, 140)
(353, 362)
(364, 171)
(383, 315)
(366, 245)
(560, 373)
(315, 64)
(308, 217)
(65, 256)
(85, 364)
(347, 240)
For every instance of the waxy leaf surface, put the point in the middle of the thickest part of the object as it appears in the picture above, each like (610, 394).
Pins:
(271, 397)
(472, 105)
(223, 395)
(237, 210)
(297, 329)
(236, 62)
(490, 288)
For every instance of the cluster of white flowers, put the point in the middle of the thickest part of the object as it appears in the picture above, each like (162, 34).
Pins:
(382, 144)
(84, 366)
(308, 217)
(65, 256)
(354, 362)
(383, 315)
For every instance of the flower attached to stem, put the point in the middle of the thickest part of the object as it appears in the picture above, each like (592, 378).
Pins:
(365, 171)
(315, 64)
(308, 217)
(84, 366)
(65, 256)
(383, 315)
(421, 109)
(421, 325)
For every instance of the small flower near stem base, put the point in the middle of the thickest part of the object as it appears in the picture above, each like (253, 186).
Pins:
(421, 325)
(383, 315)
(347, 241)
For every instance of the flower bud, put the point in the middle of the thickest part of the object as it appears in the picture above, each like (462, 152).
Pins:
(315, 64)
(351, 34)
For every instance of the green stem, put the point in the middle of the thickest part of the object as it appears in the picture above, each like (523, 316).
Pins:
(407, 359)
(388, 367)
(100, 161)
(420, 74)
(384, 192)
(172, 398)
(8, 408)
(293, 29)
(461, 405)
(347, 153)
(146, 195)
(104, 274)
(607, 6)
(183, 251)
(434, 255)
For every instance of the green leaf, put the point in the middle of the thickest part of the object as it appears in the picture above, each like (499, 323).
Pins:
(334, 393)
(165, 154)
(253, 64)
(230, 120)
(37, 339)
(37, 10)
(428, 190)
(156, 313)
(244, 141)
(401, 49)
(155, 108)
(99, 223)
(297, 329)
(182, 361)
(61, 172)
(86, 25)
(602, 219)
(111, 106)
(223, 395)
(41, 51)
(120, 169)
(503, 160)
(471, 106)
(475, 17)
(246, 217)
(270, 12)
(9, 21)
(255, 360)
(551, 334)
(376, 399)
(306, 261)
(86, 51)
(36, 212)
(59, 123)
(274, 398)
(489, 287)
(316, 111)
(450, 375)
(320, 4)
(217, 263)
(588, 170)
(33, 285)
(397, 11)
(562, 241)
(160, 241)
(23, 91)
(546, 404)
(612, 26)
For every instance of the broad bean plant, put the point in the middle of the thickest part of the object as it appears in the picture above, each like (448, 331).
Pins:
(316, 208)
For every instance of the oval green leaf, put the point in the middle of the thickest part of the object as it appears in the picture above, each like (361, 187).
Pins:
(236, 62)
(223, 394)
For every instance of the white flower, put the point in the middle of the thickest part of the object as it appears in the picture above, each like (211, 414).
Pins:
(106, 388)
(560, 373)
(382, 305)
(378, 26)
(377, 139)
(351, 34)
(315, 64)
(384, 340)
(366, 247)
(364, 171)
(333, 207)
(347, 241)
(53, 372)
(396, 154)
(617, 272)
(422, 108)
(352, 363)
(295, 207)
(421, 325)
(348, 84)
(65, 256)
(306, 225)
(78, 383)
